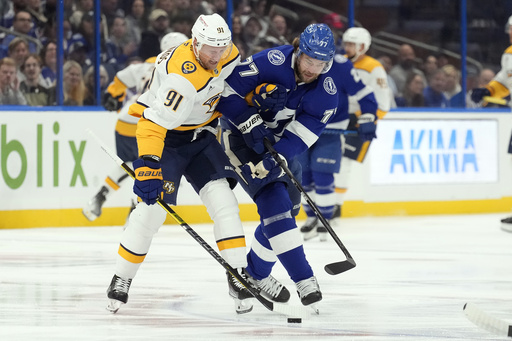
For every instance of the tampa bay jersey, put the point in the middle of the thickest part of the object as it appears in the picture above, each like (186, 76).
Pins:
(349, 83)
(181, 94)
(308, 107)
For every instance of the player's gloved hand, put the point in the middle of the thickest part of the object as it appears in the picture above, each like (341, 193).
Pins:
(367, 127)
(254, 130)
(269, 97)
(478, 93)
(148, 179)
(264, 172)
(112, 103)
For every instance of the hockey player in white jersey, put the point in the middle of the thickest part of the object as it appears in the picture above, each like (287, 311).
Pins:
(356, 42)
(117, 97)
(176, 136)
(500, 87)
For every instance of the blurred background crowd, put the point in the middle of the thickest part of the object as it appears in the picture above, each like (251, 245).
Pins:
(416, 41)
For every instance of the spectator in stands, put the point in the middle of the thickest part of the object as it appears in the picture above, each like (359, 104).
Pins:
(406, 64)
(452, 88)
(81, 7)
(387, 63)
(49, 59)
(35, 8)
(182, 23)
(413, 92)
(74, 87)
(136, 21)
(35, 93)
(259, 8)
(442, 60)
(252, 30)
(22, 26)
(9, 84)
(237, 36)
(219, 7)
(150, 39)
(166, 5)
(278, 30)
(198, 7)
(118, 37)
(335, 22)
(111, 10)
(429, 66)
(433, 93)
(486, 75)
(18, 51)
(90, 93)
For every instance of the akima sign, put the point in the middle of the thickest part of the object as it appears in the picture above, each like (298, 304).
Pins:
(435, 151)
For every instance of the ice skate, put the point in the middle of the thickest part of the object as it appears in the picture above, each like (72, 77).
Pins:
(93, 208)
(506, 224)
(270, 288)
(309, 292)
(337, 212)
(322, 232)
(309, 228)
(242, 296)
(117, 292)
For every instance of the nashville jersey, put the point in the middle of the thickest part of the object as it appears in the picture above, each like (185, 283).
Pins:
(501, 85)
(182, 95)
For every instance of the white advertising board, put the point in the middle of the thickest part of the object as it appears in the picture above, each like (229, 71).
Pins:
(435, 152)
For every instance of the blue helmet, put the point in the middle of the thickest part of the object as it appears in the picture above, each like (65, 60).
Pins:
(317, 42)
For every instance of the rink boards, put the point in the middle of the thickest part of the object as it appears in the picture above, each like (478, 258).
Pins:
(421, 163)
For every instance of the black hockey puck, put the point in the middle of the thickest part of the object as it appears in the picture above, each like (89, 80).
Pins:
(294, 320)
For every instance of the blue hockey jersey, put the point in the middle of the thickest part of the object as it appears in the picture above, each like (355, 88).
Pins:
(308, 108)
(349, 83)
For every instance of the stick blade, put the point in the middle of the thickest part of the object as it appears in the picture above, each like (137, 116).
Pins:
(339, 267)
(486, 321)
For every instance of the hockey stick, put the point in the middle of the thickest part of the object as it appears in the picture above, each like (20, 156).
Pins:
(486, 321)
(500, 101)
(272, 306)
(333, 268)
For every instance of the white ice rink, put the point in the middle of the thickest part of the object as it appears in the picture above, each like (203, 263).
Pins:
(412, 278)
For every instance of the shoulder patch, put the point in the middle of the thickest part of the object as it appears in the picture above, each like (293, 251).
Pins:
(340, 59)
(188, 67)
(329, 86)
(276, 57)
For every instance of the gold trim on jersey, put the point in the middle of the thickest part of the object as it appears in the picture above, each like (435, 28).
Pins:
(367, 63)
(497, 89)
(117, 88)
(231, 243)
(125, 128)
(112, 183)
(215, 115)
(150, 138)
(136, 109)
(130, 256)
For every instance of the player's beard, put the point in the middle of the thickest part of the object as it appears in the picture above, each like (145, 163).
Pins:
(304, 77)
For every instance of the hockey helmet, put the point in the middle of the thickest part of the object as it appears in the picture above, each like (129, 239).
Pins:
(317, 42)
(360, 37)
(211, 30)
(508, 24)
(171, 40)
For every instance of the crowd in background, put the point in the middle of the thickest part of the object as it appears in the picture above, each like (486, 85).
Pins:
(130, 32)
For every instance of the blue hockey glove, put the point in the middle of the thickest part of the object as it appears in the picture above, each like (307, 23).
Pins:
(112, 103)
(367, 127)
(264, 172)
(478, 93)
(148, 179)
(269, 97)
(254, 130)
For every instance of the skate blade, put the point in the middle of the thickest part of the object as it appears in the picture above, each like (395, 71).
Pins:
(243, 306)
(315, 309)
(310, 235)
(89, 215)
(506, 227)
(113, 306)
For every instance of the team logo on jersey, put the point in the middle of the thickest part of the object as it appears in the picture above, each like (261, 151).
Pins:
(276, 57)
(340, 59)
(212, 103)
(169, 187)
(329, 86)
(188, 67)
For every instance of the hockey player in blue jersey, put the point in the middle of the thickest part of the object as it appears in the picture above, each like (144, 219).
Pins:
(323, 159)
(283, 94)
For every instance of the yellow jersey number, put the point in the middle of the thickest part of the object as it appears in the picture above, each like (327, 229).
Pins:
(173, 99)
